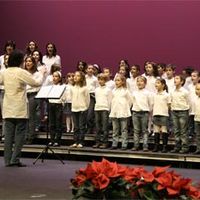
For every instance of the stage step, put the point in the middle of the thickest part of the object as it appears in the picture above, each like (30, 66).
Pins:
(118, 153)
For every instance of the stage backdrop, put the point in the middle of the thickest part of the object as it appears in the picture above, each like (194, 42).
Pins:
(104, 32)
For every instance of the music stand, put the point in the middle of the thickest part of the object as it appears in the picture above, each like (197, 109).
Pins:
(46, 93)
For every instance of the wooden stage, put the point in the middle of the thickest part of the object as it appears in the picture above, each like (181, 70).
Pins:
(127, 156)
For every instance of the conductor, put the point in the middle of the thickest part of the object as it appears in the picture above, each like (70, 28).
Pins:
(15, 111)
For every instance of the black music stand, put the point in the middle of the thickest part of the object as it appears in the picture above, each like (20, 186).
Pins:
(46, 93)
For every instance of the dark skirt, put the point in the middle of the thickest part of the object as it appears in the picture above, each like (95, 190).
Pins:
(160, 120)
(67, 109)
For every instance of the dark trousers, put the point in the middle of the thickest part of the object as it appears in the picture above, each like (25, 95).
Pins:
(55, 121)
(34, 116)
(79, 119)
(102, 122)
(90, 114)
(14, 132)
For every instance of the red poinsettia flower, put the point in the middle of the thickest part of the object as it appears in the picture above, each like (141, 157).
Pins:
(135, 181)
(101, 181)
(147, 176)
(110, 169)
(172, 182)
(159, 170)
(80, 179)
(194, 192)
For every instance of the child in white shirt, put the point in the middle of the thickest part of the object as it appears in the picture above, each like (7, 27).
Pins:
(195, 77)
(92, 84)
(180, 114)
(120, 111)
(197, 117)
(161, 103)
(142, 105)
(68, 103)
(103, 97)
(80, 104)
(131, 82)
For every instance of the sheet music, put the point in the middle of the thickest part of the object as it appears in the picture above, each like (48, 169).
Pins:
(56, 91)
(51, 92)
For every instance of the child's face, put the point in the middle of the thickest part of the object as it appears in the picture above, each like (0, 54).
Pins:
(122, 70)
(56, 78)
(169, 72)
(36, 56)
(118, 82)
(80, 66)
(197, 89)
(70, 79)
(102, 82)
(159, 86)
(77, 77)
(106, 72)
(195, 78)
(177, 81)
(28, 63)
(31, 46)
(140, 83)
(149, 69)
(134, 71)
(160, 70)
(90, 70)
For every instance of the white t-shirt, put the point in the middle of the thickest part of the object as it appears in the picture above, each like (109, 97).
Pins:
(91, 82)
(80, 98)
(49, 61)
(180, 99)
(132, 84)
(170, 84)
(142, 100)
(121, 103)
(103, 97)
(161, 102)
(197, 109)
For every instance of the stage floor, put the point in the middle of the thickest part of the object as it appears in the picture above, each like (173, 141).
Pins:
(50, 180)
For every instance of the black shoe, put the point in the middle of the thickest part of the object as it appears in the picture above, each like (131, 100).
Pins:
(197, 152)
(164, 150)
(29, 141)
(97, 145)
(183, 151)
(135, 149)
(175, 151)
(113, 147)
(16, 165)
(156, 149)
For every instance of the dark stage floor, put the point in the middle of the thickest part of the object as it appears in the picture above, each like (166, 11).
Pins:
(49, 180)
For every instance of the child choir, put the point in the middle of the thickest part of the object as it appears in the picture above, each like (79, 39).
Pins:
(158, 102)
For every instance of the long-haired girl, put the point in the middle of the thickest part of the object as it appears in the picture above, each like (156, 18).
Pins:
(68, 102)
(80, 104)
(161, 105)
(56, 113)
(120, 112)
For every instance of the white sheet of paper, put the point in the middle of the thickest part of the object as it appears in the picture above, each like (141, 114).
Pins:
(56, 91)
(51, 92)
(43, 92)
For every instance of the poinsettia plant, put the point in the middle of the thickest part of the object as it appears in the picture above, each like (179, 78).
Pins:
(109, 180)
